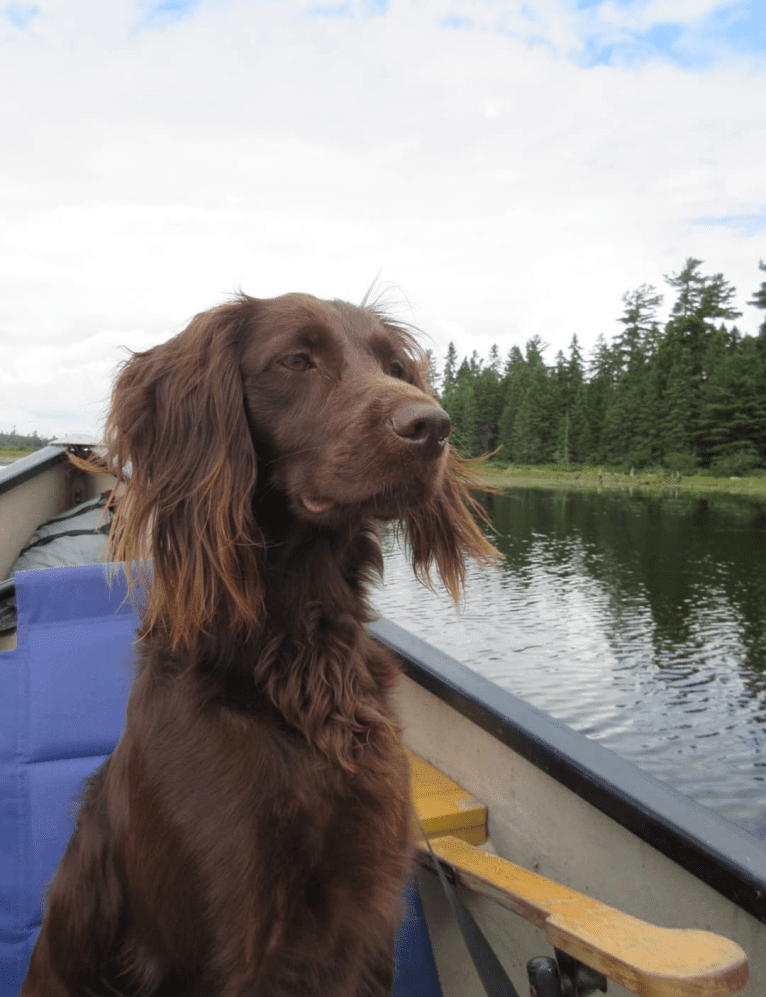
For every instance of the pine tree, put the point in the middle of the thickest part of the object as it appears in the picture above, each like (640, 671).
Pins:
(759, 299)
(561, 452)
(533, 429)
(494, 359)
(464, 416)
(599, 396)
(460, 403)
(678, 409)
(733, 419)
(700, 297)
(450, 365)
(689, 284)
(689, 351)
(513, 389)
(515, 357)
(526, 433)
(569, 414)
(489, 404)
(640, 330)
(577, 404)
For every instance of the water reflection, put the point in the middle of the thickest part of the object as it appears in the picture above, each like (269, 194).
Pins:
(638, 620)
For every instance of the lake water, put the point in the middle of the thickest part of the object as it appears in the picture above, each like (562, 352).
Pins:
(638, 620)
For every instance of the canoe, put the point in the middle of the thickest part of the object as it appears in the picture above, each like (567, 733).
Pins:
(559, 848)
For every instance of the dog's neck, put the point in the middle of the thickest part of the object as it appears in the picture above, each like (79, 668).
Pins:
(328, 569)
(304, 564)
(312, 647)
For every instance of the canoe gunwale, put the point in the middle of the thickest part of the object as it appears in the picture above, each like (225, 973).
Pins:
(713, 849)
(21, 470)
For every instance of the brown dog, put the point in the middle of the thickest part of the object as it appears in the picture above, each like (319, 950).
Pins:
(250, 834)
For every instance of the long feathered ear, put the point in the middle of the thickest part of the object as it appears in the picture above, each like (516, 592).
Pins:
(444, 532)
(178, 420)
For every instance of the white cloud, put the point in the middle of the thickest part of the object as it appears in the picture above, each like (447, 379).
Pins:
(505, 189)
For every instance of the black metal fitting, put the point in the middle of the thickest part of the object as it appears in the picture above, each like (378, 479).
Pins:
(563, 976)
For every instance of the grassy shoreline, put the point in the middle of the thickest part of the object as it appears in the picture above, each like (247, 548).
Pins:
(596, 478)
(583, 478)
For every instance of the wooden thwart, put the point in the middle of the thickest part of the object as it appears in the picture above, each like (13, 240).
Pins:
(443, 806)
(642, 957)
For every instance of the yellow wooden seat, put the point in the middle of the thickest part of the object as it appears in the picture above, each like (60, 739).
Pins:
(443, 807)
(642, 957)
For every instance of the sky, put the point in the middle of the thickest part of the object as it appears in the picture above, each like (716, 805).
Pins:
(498, 168)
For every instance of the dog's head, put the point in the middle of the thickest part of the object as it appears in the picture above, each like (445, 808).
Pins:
(323, 406)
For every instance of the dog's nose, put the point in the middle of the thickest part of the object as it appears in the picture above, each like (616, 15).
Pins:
(422, 424)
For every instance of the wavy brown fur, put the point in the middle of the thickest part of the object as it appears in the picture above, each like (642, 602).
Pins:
(250, 834)
(178, 423)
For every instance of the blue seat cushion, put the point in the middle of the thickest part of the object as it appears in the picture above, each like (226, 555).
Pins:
(64, 691)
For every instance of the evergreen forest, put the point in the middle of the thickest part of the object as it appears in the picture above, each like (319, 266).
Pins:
(18, 441)
(688, 397)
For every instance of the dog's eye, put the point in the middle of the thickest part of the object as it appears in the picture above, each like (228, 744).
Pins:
(298, 361)
(397, 368)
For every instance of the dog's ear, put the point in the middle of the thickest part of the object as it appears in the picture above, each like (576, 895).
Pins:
(178, 421)
(444, 530)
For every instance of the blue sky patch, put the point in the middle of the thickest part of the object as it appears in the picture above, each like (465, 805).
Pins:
(368, 9)
(694, 42)
(742, 25)
(661, 37)
(457, 22)
(747, 225)
(660, 41)
(21, 14)
(596, 53)
(329, 10)
(168, 11)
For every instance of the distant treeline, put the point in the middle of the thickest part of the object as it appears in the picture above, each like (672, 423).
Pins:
(15, 441)
(689, 396)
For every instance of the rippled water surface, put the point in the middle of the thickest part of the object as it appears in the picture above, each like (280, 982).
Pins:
(639, 621)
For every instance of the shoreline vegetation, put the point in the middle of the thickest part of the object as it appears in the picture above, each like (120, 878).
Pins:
(587, 478)
(14, 453)
(685, 399)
